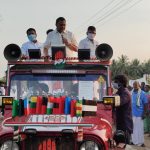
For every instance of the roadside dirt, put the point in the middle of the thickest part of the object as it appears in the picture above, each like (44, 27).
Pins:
(147, 145)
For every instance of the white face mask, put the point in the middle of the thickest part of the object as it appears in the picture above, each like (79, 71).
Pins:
(91, 36)
(115, 85)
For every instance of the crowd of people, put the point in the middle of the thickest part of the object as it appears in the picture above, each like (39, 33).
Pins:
(60, 37)
(133, 114)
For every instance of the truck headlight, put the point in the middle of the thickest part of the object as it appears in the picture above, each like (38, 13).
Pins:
(7, 100)
(112, 100)
(9, 145)
(89, 145)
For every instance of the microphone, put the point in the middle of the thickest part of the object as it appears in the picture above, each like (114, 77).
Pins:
(62, 36)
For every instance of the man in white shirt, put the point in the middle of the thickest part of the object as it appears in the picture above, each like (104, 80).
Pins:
(2, 89)
(89, 42)
(32, 43)
(61, 37)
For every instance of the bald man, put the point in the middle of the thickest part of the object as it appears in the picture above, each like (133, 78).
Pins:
(139, 104)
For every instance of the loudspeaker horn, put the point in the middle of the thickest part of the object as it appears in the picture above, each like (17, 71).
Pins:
(12, 52)
(104, 52)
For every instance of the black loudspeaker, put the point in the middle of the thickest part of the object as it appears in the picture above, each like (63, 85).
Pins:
(104, 52)
(12, 52)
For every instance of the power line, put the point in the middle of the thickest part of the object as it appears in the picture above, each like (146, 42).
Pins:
(112, 12)
(117, 4)
(93, 16)
(107, 5)
(118, 14)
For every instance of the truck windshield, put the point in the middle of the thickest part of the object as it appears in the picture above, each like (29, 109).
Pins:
(80, 86)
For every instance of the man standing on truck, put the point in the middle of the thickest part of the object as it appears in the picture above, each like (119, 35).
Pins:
(61, 37)
(89, 42)
(123, 112)
(2, 89)
(33, 43)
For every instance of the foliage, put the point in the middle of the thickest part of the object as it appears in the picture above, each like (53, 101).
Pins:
(134, 69)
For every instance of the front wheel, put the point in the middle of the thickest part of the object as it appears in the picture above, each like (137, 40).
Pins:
(9, 145)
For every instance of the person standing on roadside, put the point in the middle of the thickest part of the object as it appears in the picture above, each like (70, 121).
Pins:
(139, 106)
(147, 118)
(123, 112)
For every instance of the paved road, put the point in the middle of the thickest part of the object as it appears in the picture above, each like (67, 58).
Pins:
(147, 144)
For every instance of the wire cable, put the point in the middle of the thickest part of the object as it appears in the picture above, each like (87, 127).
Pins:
(113, 11)
(118, 5)
(110, 10)
(93, 16)
(118, 14)
(99, 11)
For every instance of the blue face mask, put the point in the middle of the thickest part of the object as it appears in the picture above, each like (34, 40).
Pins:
(32, 37)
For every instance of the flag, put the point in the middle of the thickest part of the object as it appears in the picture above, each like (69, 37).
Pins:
(73, 108)
(62, 106)
(67, 105)
(33, 101)
(79, 108)
(38, 105)
(49, 106)
(15, 108)
(44, 105)
(26, 106)
(57, 104)
(89, 108)
(21, 107)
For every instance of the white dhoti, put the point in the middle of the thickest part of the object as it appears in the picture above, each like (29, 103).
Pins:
(138, 131)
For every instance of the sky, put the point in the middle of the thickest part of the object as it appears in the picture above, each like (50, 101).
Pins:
(123, 24)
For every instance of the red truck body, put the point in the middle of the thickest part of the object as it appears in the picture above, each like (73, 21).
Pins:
(58, 130)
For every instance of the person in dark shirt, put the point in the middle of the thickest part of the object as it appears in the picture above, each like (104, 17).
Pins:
(143, 86)
(123, 112)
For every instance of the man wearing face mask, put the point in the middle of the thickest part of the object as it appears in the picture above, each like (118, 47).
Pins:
(61, 37)
(123, 112)
(32, 43)
(89, 42)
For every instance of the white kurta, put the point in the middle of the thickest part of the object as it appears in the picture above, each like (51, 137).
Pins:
(138, 131)
(31, 45)
(87, 44)
(54, 38)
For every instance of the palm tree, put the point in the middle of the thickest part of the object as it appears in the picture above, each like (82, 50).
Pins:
(120, 66)
(113, 68)
(123, 64)
(135, 69)
(146, 67)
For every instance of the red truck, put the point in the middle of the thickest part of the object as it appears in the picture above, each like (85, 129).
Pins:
(57, 107)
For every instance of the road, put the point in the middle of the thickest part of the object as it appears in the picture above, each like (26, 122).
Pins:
(147, 145)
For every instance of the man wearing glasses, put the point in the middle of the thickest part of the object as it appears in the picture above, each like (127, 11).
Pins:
(89, 42)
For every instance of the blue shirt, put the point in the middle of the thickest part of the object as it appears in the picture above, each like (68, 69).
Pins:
(137, 111)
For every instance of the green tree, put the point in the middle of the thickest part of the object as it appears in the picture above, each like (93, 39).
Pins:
(146, 67)
(120, 66)
(135, 69)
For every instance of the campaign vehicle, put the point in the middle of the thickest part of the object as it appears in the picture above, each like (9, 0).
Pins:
(58, 104)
